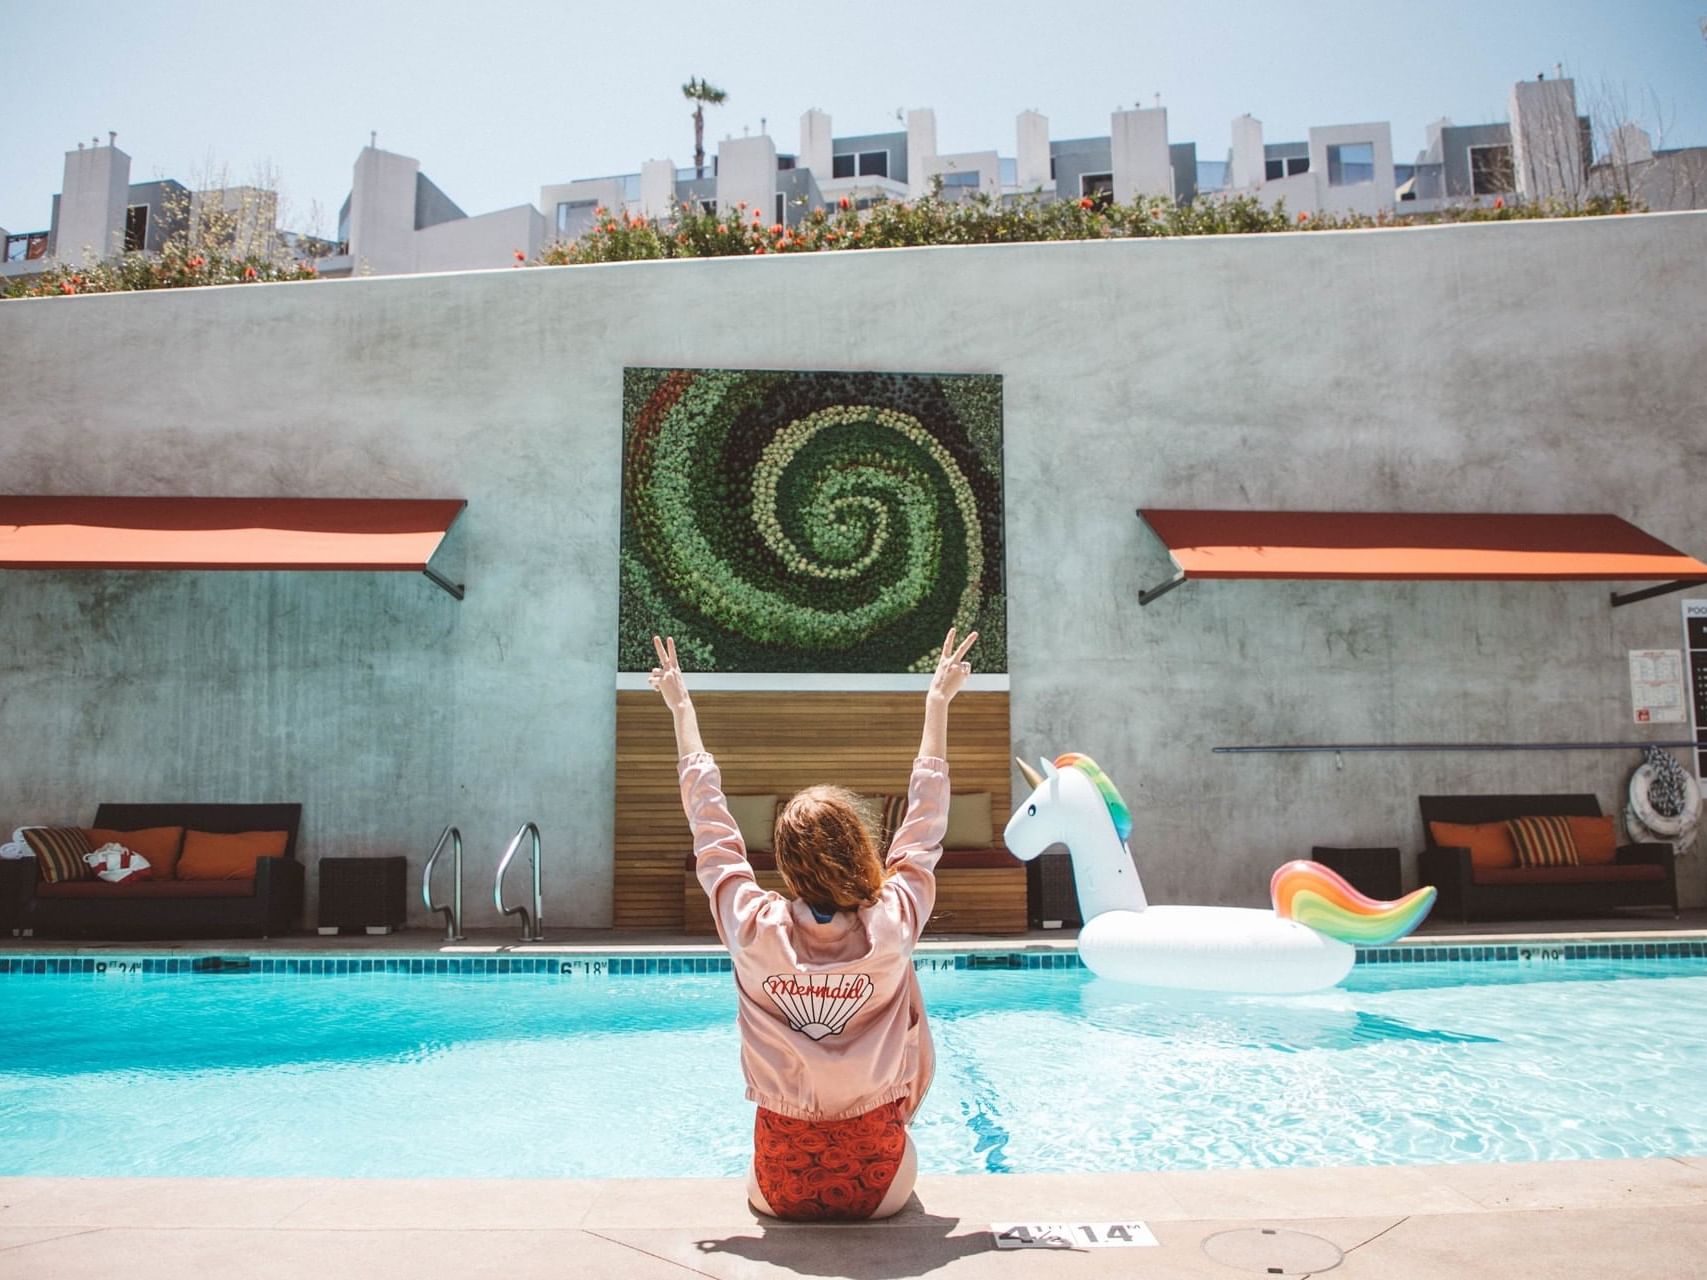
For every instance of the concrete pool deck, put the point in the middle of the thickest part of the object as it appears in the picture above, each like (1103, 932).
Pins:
(1594, 1218)
(1539, 1221)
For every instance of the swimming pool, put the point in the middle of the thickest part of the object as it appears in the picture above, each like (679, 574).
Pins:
(563, 1068)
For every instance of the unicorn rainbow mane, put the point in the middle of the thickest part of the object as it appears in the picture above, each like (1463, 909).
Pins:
(1317, 896)
(1117, 809)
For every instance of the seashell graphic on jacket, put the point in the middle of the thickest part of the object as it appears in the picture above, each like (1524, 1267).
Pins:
(821, 1005)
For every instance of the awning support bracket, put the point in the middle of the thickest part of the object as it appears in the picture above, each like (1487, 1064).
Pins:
(1155, 593)
(1648, 593)
(455, 589)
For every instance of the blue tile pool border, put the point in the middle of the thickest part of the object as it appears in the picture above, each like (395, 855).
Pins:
(619, 966)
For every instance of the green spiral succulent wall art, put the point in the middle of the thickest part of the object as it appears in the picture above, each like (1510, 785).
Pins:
(811, 522)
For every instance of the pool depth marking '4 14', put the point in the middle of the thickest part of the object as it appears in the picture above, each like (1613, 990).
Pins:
(1072, 1235)
(1307, 942)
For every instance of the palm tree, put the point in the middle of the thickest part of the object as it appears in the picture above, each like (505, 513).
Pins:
(699, 93)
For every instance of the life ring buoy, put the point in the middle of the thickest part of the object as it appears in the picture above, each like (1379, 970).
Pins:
(1679, 827)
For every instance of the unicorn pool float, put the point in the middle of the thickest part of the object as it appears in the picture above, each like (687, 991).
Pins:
(1305, 943)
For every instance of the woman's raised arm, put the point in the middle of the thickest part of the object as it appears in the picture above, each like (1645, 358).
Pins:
(666, 678)
(952, 672)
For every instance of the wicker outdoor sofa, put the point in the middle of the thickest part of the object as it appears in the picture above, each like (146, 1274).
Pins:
(1486, 883)
(220, 902)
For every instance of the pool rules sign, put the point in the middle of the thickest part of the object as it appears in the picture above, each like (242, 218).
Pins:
(1695, 655)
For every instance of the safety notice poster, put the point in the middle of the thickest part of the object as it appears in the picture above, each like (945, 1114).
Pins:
(1656, 686)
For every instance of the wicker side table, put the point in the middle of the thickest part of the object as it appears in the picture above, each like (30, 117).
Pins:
(1374, 872)
(362, 893)
(1051, 893)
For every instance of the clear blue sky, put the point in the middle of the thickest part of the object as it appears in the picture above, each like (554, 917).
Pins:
(499, 97)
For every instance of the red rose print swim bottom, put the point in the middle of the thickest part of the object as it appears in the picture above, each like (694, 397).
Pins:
(824, 1170)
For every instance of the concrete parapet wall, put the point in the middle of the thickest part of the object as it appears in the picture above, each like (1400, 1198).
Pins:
(1550, 366)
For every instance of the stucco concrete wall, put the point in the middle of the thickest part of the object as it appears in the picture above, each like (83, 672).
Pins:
(1510, 367)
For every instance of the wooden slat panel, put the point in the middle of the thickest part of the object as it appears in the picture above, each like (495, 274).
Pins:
(781, 742)
(968, 900)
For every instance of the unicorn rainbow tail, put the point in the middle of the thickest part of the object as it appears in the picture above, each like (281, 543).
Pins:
(1319, 898)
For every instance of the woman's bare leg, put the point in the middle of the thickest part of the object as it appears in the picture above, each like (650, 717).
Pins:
(755, 1197)
(900, 1189)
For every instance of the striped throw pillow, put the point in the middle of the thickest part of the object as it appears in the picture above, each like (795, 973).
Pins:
(1543, 842)
(59, 853)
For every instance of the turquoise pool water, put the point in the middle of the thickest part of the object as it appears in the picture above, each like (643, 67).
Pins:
(592, 1075)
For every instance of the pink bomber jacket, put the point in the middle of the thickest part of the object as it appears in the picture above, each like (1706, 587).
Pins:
(832, 1022)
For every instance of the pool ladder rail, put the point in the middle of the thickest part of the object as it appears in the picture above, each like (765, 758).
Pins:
(530, 922)
(452, 836)
(452, 913)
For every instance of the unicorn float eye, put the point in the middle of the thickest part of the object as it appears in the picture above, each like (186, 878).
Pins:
(1031, 811)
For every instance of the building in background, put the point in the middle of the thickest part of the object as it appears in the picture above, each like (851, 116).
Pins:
(100, 213)
(397, 221)
(1339, 169)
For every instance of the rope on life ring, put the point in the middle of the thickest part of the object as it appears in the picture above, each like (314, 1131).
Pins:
(1658, 784)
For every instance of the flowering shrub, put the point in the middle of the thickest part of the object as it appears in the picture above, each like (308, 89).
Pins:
(176, 267)
(810, 521)
(690, 232)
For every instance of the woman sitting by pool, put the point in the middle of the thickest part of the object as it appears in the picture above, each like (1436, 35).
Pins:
(834, 1042)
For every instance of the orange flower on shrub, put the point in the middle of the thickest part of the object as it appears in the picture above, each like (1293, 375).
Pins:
(1303, 217)
(249, 273)
(1499, 202)
(1085, 202)
(844, 204)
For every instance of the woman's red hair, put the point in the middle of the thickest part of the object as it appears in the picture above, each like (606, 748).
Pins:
(825, 851)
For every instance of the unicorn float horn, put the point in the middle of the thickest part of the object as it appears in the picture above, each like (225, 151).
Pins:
(1032, 777)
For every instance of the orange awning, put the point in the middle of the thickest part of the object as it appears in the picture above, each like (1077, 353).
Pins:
(352, 534)
(1405, 546)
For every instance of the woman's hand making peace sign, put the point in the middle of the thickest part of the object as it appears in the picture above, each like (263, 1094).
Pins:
(666, 678)
(952, 671)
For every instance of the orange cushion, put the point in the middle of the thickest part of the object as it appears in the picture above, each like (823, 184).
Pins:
(1489, 842)
(210, 856)
(1597, 841)
(159, 845)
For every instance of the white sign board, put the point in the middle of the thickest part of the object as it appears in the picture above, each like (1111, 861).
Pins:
(1656, 686)
(1695, 641)
(1072, 1235)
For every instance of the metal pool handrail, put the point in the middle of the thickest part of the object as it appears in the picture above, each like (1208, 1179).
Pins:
(530, 923)
(1349, 747)
(452, 913)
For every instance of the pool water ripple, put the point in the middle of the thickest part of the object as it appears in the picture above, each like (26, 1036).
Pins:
(377, 1075)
